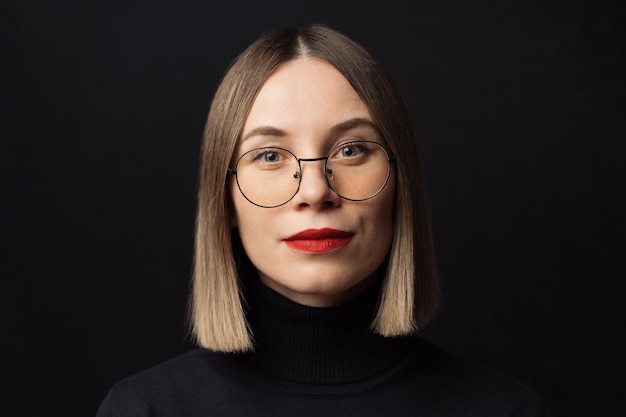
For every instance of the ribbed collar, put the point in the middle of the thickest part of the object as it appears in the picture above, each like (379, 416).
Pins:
(312, 345)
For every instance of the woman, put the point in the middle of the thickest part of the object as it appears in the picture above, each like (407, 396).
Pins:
(314, 261)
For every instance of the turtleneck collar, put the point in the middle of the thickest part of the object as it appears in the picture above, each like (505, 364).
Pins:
(313, 345)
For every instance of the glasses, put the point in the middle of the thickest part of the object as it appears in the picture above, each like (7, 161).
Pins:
(355, 171)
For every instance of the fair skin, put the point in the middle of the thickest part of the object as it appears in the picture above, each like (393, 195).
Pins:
(308, 107)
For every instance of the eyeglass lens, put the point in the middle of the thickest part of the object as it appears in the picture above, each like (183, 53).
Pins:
(270, 177)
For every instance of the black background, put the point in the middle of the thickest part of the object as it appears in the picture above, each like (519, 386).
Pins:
(519, 110)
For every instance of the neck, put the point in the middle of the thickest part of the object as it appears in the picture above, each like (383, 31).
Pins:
(318, 345)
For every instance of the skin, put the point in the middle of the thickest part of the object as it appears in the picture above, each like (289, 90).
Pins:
(299, 108)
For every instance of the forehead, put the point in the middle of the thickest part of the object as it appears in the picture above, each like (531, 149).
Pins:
(305, 94)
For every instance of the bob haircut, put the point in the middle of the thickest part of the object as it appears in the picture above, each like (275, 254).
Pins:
(409, 292)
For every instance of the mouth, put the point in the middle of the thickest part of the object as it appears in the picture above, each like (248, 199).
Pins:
(319, 240)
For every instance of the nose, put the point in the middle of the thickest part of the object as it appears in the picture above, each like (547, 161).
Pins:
(314, 191)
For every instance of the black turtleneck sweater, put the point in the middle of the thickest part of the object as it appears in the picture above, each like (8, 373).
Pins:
(312, 361)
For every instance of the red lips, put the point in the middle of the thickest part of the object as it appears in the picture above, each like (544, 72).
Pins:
(319, 240)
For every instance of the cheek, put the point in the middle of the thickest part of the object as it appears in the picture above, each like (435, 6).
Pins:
(252, 221)
(256, 234)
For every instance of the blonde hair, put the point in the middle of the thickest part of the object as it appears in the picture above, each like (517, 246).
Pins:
(410, 289)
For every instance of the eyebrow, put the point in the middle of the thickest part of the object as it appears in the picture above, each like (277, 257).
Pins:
(263, 131)
(353, 123)
(338, 128)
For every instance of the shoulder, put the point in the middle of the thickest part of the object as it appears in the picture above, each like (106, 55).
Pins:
(181, 368)
(470, 385)
(167, 384)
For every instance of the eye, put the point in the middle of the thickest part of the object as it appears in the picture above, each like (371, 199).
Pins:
(267, 156)
(267, 159)
(351, 150)
(270, 156)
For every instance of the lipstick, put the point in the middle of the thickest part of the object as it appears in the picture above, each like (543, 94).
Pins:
(319, 240)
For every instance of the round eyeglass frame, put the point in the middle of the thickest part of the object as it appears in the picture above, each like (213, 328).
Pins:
(327, 172)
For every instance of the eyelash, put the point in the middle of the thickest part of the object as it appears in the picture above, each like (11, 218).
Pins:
(264, 150)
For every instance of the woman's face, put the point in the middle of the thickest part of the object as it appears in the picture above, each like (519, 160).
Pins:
(308, 107)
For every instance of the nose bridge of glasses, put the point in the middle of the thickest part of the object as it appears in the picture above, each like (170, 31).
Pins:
(321, 158)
